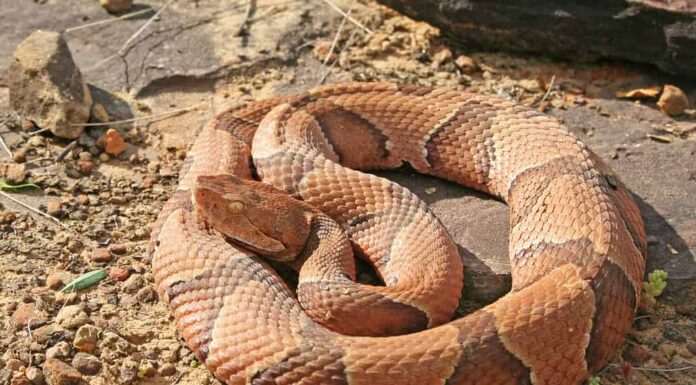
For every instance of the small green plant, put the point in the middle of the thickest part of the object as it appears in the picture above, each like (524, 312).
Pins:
(6, 186)
(657, 282)
(594, 381)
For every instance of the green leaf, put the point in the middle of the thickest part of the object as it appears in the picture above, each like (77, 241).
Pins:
(594, 381)
(6, 186)
(85, 280)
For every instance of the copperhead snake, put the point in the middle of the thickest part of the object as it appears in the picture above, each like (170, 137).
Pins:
(577, 243)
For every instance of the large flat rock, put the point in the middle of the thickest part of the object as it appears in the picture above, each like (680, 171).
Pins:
(662, 33)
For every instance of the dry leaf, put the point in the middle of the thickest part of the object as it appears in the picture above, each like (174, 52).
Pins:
(640, 93)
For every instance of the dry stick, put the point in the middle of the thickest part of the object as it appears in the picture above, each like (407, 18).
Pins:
(38, 132)
(108, 21)
(250, 9)
(352, 20)
(333, 64)
(659, 369)
(548, 90)
(34, 210)
(149, 117)
(65, 151)
(2, 141)
(139, 31)
(134, 36)
(338, 33)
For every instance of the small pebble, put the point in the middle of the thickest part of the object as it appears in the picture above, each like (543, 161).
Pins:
(128, 372)
(104, 157)
(59, 373)
(101, 255)
(146, 369)
(86, 364)
(59, 350)
(36, 141)
(72, 317)
(20, 156)
(54, 208)
(118, 249)
(118, 274)
(85, 166)
(466, 64)
(441, 57)
(146, 295)
(636, 355)
(15, 365)
(13, 173)
(133, 283)
(167, 369)
(54, 282)
(35, 376)
(113, 142)
(25, 313)
(116, 6)
(7, 217)
(83, 199)
(86, 338)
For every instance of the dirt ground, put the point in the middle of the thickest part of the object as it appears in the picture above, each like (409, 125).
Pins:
(191, 62)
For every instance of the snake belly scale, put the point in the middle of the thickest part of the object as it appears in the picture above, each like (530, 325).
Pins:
(577, 243)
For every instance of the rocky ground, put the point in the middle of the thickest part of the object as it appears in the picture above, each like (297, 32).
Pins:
(190, 63)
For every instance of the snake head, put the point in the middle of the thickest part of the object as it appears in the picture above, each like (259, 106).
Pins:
(253, 215)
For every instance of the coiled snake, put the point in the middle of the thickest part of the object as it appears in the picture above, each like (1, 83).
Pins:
(577, 243)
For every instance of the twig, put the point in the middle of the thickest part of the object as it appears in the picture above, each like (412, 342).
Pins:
(642, 316)
(34, 210)
(149, 117)
(659, 369)
(121, 52)
(4, 145)
(37, 160)
(246, 23)
(352, 20)
(338, 33)
(328, 70)
(548, 89)
(38, 132)
(29, 329)
(178, 378)
(2, 141)
(143, 28)
(65, 151)
(108, 21)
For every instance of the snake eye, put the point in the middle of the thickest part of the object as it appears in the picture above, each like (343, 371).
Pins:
(235, 207)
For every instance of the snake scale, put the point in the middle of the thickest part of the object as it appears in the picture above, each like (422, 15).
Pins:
(577, 243)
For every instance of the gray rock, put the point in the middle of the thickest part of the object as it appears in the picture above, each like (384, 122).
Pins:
(46, 86)
(661, 33)
(35, 376)
(59, 350)
(59, 373)
(86, 338)
(86, 364)
(72, 317)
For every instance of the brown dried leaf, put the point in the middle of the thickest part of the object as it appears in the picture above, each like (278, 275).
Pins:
(640, 93)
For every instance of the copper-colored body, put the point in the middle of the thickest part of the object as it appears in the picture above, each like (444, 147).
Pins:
(577, 242)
